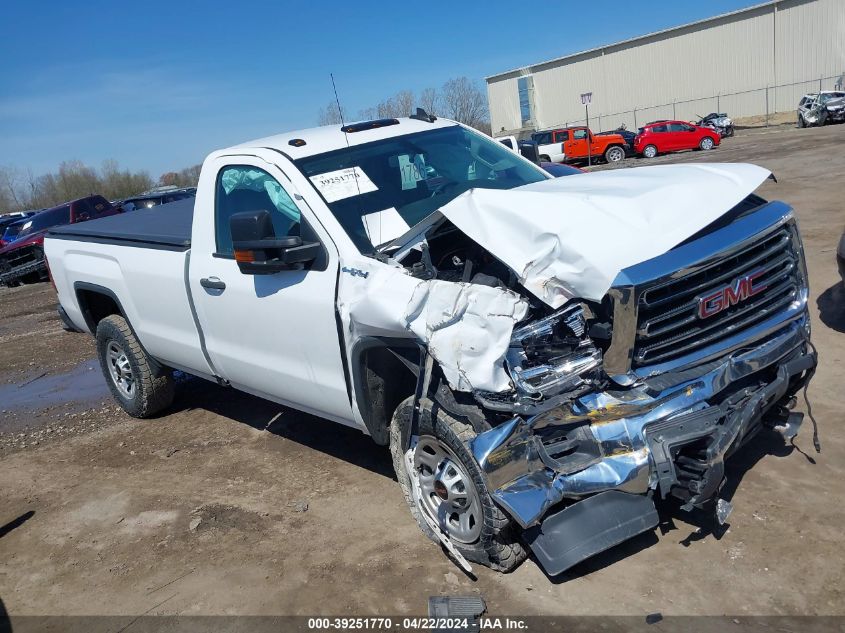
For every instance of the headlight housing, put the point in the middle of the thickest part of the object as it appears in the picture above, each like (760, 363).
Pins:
(553, 355)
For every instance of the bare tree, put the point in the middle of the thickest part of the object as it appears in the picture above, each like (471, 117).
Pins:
(10, 186)
(331, 114)
(463, 101)
(430, 101)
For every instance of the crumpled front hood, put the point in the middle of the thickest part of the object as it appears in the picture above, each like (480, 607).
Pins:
(570, 237)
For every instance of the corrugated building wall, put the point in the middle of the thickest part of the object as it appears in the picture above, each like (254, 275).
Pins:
(723, 63)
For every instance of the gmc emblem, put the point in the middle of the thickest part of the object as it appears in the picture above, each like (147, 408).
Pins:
(737, 291)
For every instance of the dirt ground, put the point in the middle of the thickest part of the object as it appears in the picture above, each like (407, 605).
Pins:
(232, 505)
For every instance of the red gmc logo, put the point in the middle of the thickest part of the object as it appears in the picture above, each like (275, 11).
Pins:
(732, 294)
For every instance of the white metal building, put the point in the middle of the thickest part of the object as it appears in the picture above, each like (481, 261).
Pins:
(746, 63)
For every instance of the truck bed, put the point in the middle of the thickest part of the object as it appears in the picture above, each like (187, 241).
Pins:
(167, 226)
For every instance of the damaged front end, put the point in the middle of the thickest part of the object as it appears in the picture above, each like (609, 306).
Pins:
(609, 415)
(600, 375)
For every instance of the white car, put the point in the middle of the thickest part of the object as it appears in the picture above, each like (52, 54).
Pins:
(823, 107)
(546, 358)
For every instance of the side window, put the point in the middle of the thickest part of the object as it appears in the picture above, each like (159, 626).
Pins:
(579, 135)
(561, 137)
(247, 188)
(542, 138)
(677, 127)
(99, 206)
(82, 210)
(658, 128)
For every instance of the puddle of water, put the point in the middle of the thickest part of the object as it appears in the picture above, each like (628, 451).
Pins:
(82, 384)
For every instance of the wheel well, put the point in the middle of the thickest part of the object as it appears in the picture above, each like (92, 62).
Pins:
(382, 382)
(96, 305)
(545, 157)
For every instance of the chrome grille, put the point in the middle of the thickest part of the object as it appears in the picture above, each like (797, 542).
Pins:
(668, 325)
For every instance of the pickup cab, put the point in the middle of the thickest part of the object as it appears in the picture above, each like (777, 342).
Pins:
(546, 359)
(550, 144)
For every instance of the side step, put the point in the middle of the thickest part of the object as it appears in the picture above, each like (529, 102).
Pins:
(588, 527)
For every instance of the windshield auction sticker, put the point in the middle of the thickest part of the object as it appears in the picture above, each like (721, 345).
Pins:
(343, 183)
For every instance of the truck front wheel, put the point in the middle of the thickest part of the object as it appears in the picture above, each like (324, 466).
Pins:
(439, 477)
(614, 154)
(139, 384)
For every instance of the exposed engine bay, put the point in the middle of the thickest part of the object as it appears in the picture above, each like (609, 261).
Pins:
(551, 355)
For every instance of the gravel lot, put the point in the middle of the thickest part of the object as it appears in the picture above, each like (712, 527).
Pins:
(232, 505)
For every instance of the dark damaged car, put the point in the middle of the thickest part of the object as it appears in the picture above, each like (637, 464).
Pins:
(546, 358)
(22, 260)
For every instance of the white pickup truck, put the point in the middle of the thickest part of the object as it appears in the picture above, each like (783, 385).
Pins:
(546, 358)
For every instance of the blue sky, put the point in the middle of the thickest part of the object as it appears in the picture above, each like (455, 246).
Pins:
(158, 85)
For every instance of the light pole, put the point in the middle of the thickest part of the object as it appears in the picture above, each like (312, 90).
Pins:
(586, 98)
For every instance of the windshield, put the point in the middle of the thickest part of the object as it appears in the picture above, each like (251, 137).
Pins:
(12, 231)
(378, 190)
(827, 96)
(46, 219)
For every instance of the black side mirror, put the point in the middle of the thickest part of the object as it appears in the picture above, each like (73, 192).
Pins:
(259, 252)
(529, 150)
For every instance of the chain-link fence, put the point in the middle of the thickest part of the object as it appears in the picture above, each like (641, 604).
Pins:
(748, 108)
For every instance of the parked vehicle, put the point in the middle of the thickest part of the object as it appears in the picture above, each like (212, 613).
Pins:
(578, 144)
(550, 144)
(10, 218)
(149, 200)
(626, 134)
(542, 363)
(819, 108)
(557, 169)
(673, 136)
(11, 232)
(22, 260)
(840, 257)
(523, 147)
(582, 145)
(720, 122)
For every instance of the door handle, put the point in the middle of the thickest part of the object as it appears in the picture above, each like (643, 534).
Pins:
(212, 283)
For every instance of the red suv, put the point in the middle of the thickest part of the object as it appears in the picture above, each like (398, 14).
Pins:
(23, 260)
(672, 136)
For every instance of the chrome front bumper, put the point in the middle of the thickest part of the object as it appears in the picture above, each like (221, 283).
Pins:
(724, 400)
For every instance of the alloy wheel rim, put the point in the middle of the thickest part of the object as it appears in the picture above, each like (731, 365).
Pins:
(615, 155)
(650, 152)
(120, 370)
(446, 491)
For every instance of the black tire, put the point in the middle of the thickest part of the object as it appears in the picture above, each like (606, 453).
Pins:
(706, 144)
(545, 159)
(648, 149)
(801, 122)
(614, 154)
(153, 385)
(498, 545)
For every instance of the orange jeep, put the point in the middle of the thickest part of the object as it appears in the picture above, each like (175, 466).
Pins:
(610, 147)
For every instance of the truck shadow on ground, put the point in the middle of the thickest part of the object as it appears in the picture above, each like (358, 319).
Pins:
(354, 447)
(325, 436)
(831, 305)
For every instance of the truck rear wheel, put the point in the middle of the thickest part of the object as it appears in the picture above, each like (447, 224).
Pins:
(439, 476)
(139, 384)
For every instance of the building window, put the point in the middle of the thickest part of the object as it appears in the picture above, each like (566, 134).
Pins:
(526, 99)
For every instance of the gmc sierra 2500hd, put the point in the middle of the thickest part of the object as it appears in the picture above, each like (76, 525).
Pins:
(547, 359)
